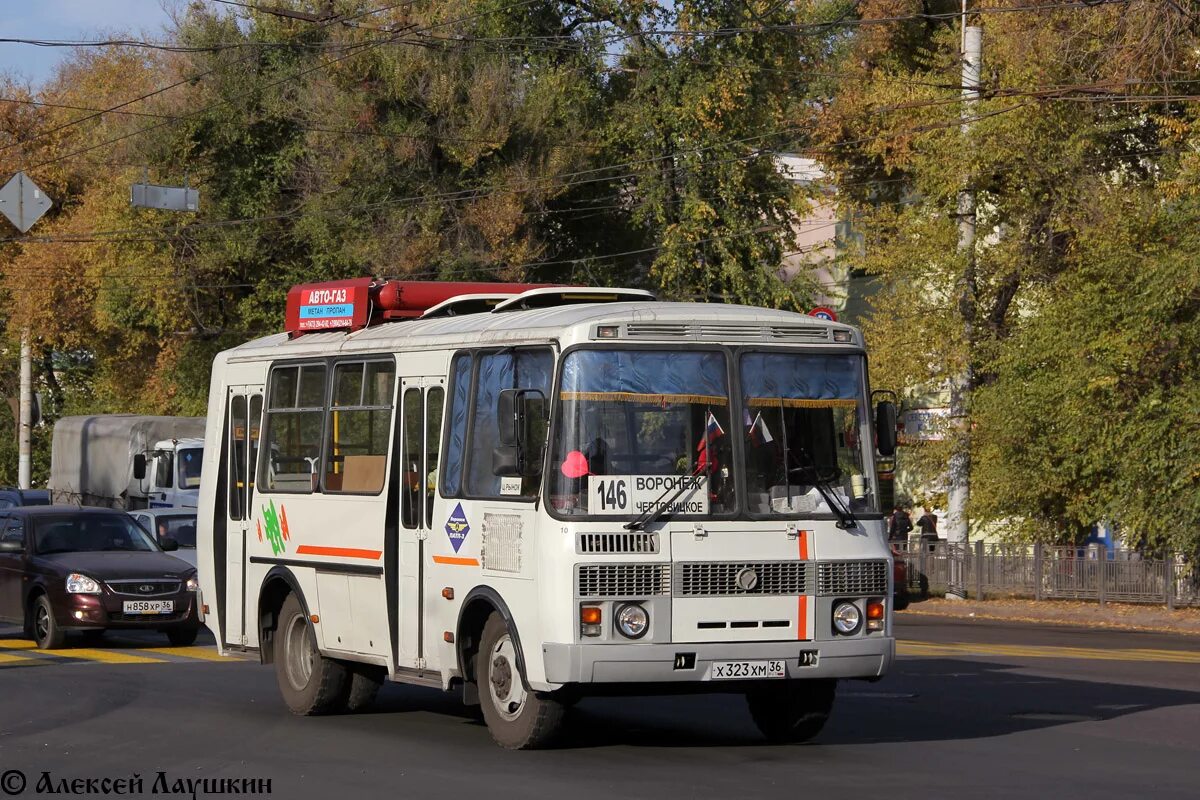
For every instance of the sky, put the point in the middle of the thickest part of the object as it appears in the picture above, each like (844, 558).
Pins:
(69, 19)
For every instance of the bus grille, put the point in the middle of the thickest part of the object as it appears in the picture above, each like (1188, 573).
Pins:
(711, 579)
(631, 542)
(623, 580)
(851, 578)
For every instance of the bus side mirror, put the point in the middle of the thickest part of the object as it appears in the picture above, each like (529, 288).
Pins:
(885, 428)
(139, 467)
(520, 416)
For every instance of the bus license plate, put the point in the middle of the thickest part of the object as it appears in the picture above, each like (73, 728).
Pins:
(149, 606)
(748, 670)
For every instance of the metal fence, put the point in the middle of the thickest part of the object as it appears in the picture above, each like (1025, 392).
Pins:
(1057, 573)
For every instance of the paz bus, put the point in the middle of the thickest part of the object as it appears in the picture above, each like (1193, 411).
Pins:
(531, 495)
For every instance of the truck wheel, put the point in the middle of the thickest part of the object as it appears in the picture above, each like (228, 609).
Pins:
(794, 711)
(363, 684)
(46, 632)
(309, 682)
(518, 719)
(182, 637)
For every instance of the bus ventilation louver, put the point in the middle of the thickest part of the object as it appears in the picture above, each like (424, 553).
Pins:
(632, 542)
(623, 580)
(851, 578)
(726, 332)
(715, 579)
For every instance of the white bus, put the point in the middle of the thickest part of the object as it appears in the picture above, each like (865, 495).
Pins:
(530, 496)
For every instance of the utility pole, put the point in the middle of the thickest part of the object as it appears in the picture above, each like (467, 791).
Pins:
(962, 383)
(24, 436)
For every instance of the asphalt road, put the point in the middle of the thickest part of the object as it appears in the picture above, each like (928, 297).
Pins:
(973, 709)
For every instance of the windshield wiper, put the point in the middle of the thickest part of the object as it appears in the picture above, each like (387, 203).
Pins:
(658, 507)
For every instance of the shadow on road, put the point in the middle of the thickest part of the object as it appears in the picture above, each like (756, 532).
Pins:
(923, 700)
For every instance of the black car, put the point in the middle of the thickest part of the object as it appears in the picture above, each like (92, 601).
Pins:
(65, 568)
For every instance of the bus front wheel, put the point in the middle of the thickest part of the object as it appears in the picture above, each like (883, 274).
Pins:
(518, 719)
(309, 682)
(792, 711)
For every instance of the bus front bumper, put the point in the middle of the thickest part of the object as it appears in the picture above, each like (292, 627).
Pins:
(692, 662)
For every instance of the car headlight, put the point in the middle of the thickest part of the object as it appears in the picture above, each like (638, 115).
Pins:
(193, 584)
(632, 621)
(846, 618)
(81, 584)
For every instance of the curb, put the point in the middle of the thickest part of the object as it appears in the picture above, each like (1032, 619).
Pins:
(1048, 620)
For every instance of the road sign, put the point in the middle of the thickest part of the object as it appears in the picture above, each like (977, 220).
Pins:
(824, 312)
(23, 201)
(167, 198)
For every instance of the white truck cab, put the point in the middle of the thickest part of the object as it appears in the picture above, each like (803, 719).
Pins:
(169, 474)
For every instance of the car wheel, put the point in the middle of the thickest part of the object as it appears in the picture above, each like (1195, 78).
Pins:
(310, 683)
(900, 602)
(794, 711)
(182, 637)
(46, 632)
(364, 683)
(517, 718)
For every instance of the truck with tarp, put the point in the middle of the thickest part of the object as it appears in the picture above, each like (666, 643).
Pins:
(127, 461)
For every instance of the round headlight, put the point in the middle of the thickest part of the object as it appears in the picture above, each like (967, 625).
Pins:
(846, 618)
(632, 621)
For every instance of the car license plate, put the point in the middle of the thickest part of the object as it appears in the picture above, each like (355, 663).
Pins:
(149, 606)
(735, 670)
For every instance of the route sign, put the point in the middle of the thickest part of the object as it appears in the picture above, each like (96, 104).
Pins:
(824, 312)
(23, 201)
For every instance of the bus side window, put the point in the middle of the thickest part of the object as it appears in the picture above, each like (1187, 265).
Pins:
(519, 369)
(434, 401)
(360, 419)
(456, 427)
(411, 474)
(237, 456)
(295, 417)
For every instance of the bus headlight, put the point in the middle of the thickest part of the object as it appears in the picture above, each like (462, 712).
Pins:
(846, 618)
(632, 621)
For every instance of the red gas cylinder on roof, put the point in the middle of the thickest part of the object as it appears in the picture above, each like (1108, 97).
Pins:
(353, 304)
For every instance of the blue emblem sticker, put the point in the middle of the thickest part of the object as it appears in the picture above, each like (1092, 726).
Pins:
(457, 527)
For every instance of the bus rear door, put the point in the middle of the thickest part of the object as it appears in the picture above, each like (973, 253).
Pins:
(245, 421)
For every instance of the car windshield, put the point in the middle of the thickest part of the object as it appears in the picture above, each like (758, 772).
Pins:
(77, 533)
(180, 527)
(640, 429)
(189, 467)
(806, 433)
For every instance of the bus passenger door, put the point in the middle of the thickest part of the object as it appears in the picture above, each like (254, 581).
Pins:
(420, 430)
(245, 421)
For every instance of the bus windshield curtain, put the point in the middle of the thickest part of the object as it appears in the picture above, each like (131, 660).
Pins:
(809, 380)
(645, 375)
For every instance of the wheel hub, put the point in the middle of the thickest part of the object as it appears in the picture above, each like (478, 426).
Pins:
(508, 693)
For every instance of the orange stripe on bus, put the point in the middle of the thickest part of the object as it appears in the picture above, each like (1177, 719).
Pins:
(803, 545)
(802, 613)
(462, 562)
(340, 552)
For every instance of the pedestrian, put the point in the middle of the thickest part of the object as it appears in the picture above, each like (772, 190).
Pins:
(928, 525)
(899, 524)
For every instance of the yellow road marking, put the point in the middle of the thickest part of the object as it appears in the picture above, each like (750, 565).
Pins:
(5, 658)
(17, 644)
(84, 653)
(912, 648)
(201, 653)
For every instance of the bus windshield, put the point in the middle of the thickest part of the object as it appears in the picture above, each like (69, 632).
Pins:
(643, 431)
(806, 428)
(640, 428)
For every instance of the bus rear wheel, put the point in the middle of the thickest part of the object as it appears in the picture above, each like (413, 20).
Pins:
(792, 711)
(309, 682)
(517, 718)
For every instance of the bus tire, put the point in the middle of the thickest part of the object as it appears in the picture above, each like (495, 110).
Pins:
(518, 719)
(364, 683)
(792, 711)
(309, 682)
